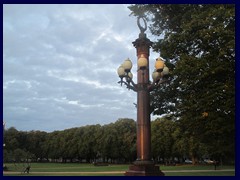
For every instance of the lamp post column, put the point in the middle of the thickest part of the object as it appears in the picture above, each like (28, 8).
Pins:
(144, 165)
(142, 45)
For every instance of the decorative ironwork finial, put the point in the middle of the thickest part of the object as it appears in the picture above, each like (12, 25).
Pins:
(142, 29)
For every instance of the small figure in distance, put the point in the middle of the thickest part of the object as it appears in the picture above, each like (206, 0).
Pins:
(215, 163)
(27, 169)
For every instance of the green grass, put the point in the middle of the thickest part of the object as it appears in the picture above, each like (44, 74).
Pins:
(217, 173)
(75, 169)
(194, 167)
(67, 167)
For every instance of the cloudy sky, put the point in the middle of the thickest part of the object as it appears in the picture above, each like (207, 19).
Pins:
(60, 62)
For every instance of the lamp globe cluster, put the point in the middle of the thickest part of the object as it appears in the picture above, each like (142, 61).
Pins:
(125, 70)
(160, 70)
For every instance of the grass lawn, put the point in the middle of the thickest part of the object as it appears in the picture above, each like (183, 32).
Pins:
(75, 169)
(217, 173)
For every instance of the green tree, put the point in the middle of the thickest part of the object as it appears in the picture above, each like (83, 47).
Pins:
(52, 146)
(34, 143)
(88, 144)
(10, 139)
(71, 145)
(110, 143)
(200, 41)
(19, 155)
(6, 156)
(126, 130)
(162, 130)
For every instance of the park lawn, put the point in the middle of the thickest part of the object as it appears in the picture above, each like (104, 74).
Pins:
(67, 167)
(77, 169)
(194, 167)
(213, 173)
(66, 174)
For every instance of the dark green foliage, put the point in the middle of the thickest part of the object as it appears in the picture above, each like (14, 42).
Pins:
(162, 131)
(200, 41)
(115, 142)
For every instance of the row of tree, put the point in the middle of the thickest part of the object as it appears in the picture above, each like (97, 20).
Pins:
(115, 142)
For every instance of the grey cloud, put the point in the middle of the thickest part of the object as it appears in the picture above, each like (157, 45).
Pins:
(60, 62)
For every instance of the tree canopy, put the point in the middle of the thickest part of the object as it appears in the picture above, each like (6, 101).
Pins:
(199, 40)
(110, 143)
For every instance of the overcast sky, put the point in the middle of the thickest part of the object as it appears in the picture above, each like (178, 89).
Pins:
(60, 62)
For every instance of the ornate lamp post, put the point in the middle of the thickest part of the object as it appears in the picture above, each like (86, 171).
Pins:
(144, 165)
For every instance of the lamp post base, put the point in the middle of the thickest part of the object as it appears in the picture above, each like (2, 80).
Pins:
(144, 168)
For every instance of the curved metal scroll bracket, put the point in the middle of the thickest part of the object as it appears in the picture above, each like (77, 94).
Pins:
(142, 29)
